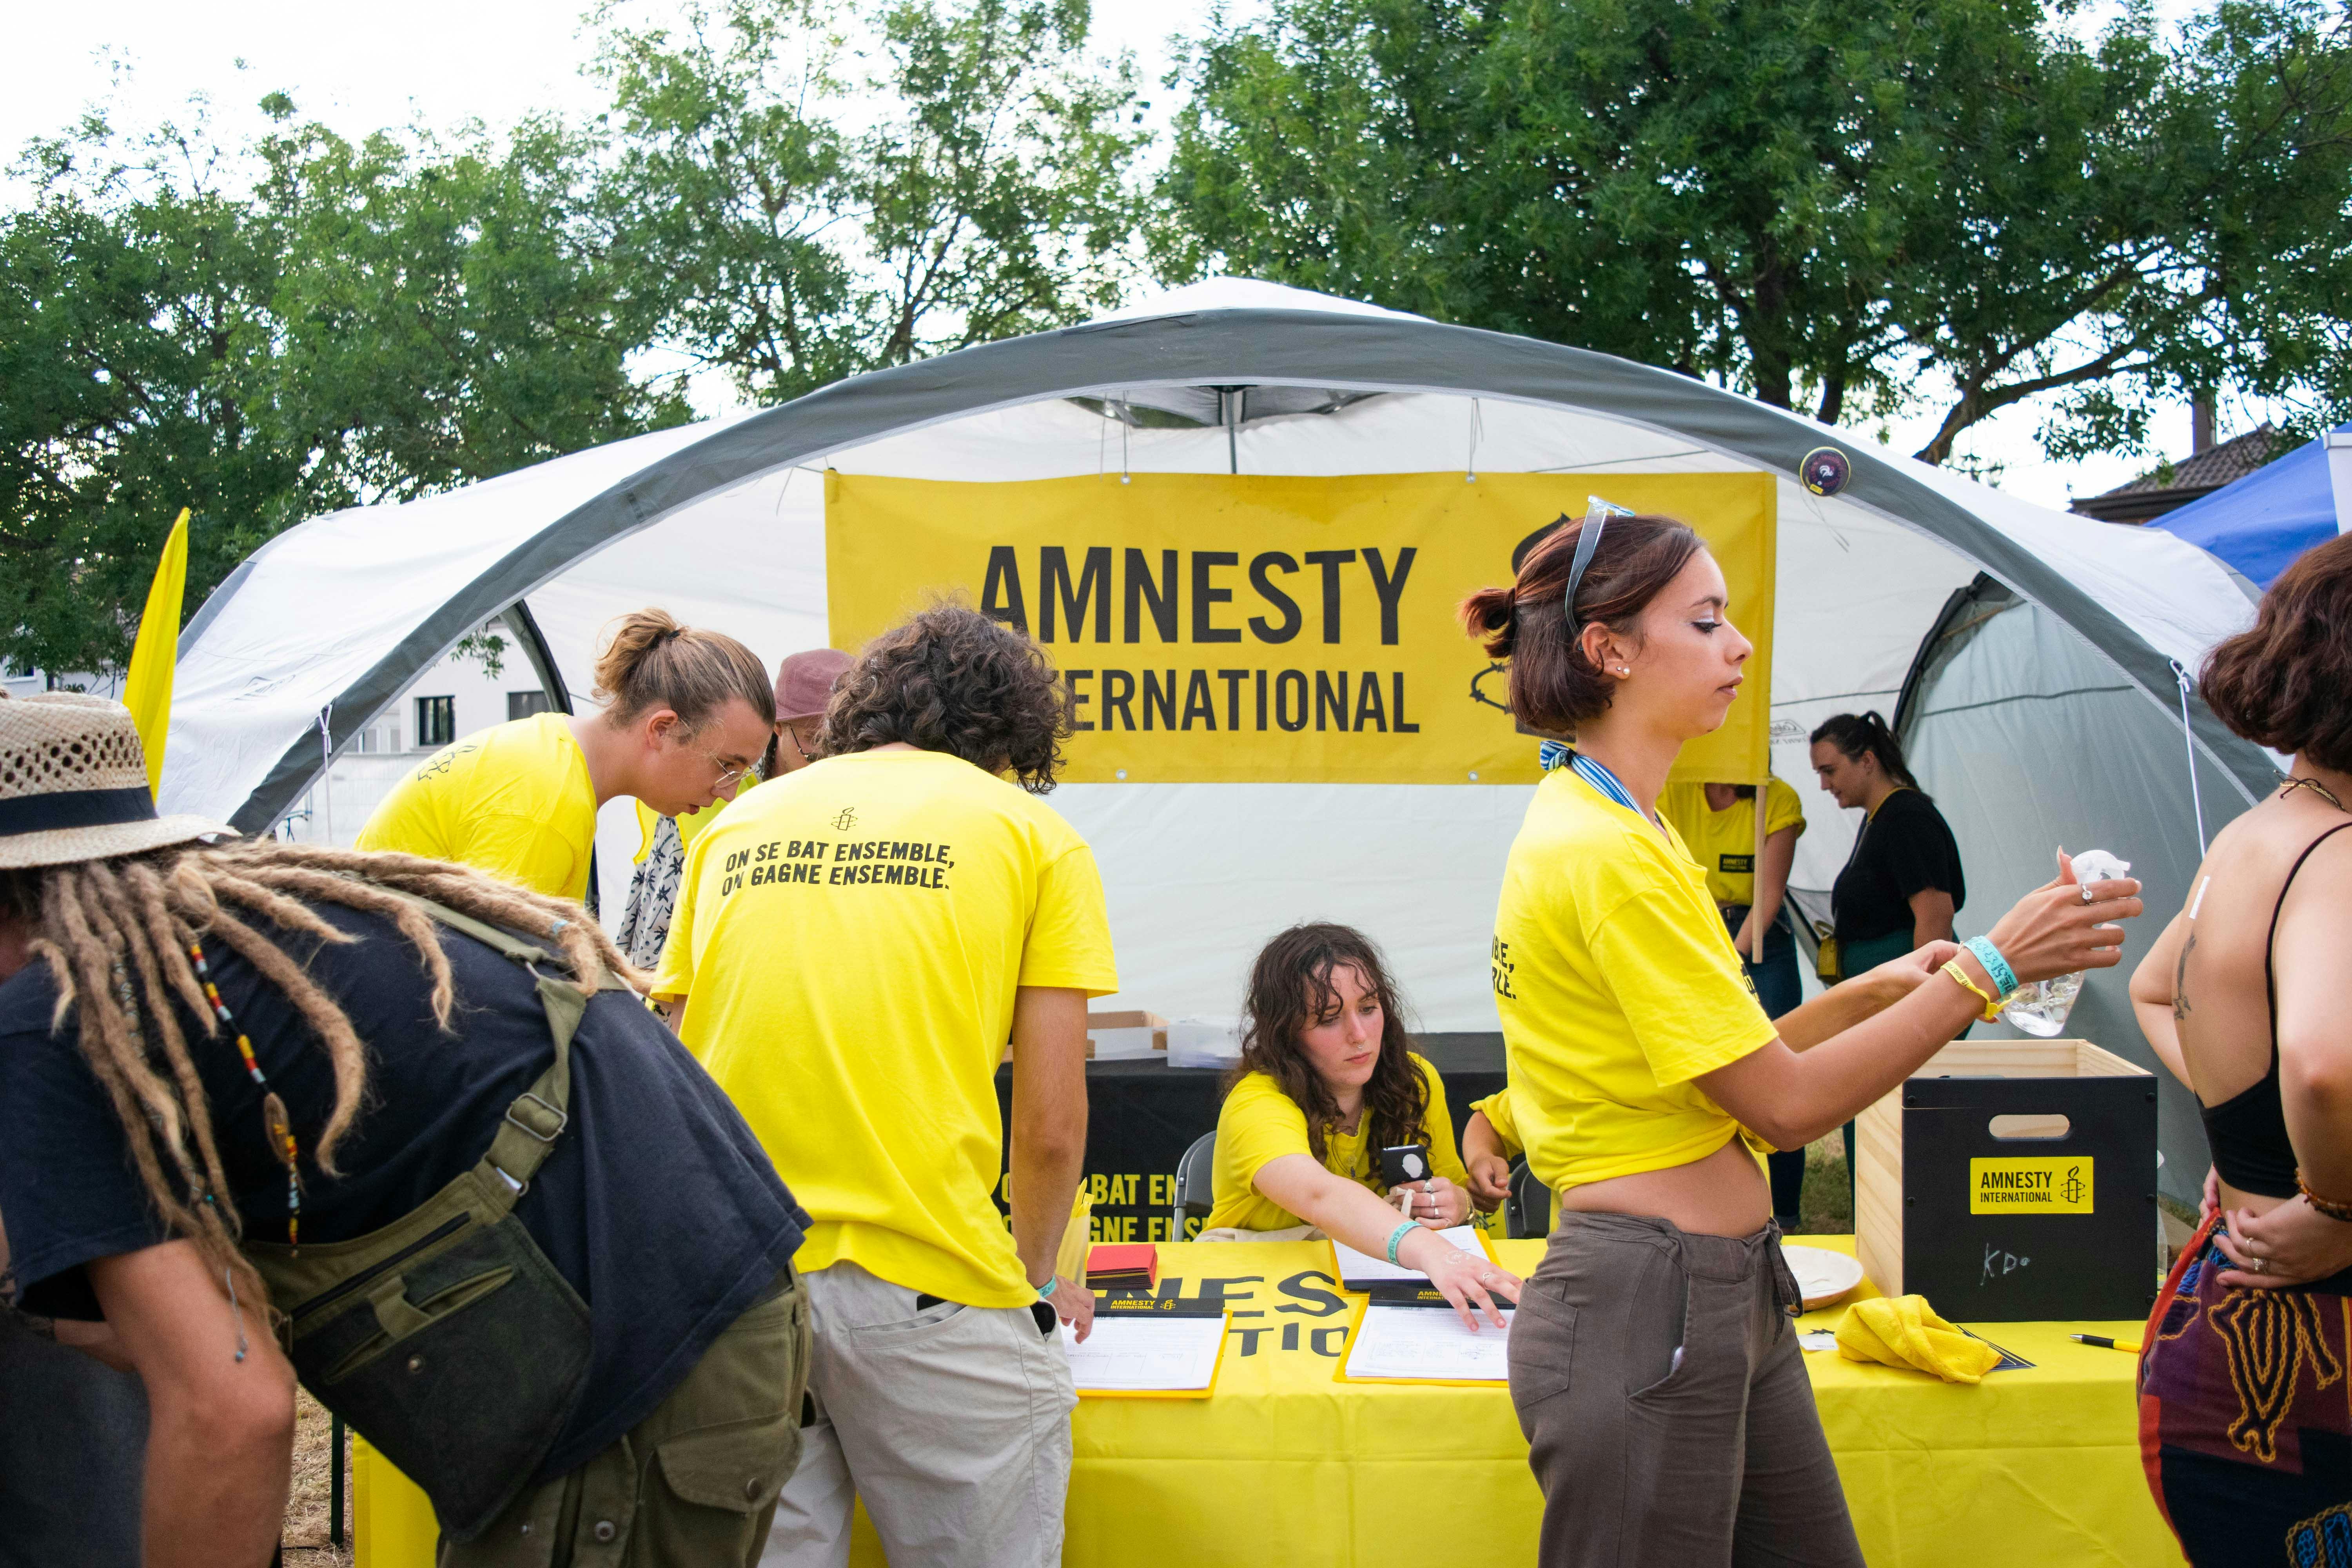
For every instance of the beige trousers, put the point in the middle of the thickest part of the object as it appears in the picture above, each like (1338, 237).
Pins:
(951, 1423)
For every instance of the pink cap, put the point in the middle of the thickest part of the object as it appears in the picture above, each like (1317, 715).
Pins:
(804, 682)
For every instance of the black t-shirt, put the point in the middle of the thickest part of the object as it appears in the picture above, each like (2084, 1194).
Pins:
(1906, 848)
(658, 1204)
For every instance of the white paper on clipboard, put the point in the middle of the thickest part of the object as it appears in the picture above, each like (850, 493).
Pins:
(1356, 1267)
(1429, 1344)
(1147, 1356)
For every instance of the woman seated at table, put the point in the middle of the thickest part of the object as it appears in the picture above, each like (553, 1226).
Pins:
(1325, 1082)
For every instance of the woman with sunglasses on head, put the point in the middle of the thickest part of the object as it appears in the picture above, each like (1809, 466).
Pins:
(1645, 1078)
(687, 714)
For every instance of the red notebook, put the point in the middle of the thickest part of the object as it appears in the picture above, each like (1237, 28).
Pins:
(1122, 1266)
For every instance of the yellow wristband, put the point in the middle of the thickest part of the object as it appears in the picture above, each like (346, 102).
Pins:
(1991, 1006)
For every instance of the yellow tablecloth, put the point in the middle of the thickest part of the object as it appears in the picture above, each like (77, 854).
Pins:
(2031, 1468)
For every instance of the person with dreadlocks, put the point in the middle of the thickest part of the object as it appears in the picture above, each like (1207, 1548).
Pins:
(399, 1129)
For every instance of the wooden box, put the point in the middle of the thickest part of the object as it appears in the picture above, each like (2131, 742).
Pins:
(1126, 1035)
(2011, 1180)
(1135, 1021)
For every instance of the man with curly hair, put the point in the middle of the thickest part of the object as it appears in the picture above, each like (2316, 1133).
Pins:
(852, 946)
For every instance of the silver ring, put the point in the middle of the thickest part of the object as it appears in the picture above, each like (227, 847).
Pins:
(1485, 1279)
(2086, 892)
(2259, 1265)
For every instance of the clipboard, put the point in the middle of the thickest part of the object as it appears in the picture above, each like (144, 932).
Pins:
(1130, 1307)
(1355, 1326)
(1376, 1288)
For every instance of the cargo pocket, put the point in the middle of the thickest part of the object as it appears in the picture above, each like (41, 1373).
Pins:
(740, 1468)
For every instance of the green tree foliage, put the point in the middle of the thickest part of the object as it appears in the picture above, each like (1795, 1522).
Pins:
(807, 203)
(1854, 205)
(266, 333)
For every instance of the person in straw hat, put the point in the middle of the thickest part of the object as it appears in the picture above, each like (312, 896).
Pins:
(404, 1130)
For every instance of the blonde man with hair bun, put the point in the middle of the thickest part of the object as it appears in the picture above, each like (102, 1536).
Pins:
(687, 714)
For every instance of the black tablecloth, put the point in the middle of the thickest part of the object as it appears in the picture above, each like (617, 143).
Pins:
(1143, 1115)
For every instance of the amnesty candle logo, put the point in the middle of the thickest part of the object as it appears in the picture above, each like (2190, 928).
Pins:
(1216, 627)
(2030, 1185)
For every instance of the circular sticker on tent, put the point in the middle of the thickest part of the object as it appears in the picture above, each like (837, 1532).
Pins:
(1825, 470)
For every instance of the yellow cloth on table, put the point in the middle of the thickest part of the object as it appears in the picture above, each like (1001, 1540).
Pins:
(1287, 1466)
(1903, 1331)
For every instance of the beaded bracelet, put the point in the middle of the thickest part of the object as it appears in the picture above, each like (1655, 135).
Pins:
(1396, 1237)
(2327, 1206)
(2003, 977)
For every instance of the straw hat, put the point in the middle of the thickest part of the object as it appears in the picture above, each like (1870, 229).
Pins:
(73, 785)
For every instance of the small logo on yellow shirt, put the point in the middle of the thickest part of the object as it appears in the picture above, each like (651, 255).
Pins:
(845, 820)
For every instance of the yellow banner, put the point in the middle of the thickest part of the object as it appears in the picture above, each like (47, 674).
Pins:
(1242, 629)
(2030, 1186)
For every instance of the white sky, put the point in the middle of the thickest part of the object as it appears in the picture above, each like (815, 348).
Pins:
(442, 62)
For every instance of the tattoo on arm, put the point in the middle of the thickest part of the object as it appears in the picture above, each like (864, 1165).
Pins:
(2181, 980)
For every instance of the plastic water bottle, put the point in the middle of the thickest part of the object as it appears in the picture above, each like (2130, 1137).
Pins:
(2040, 1006)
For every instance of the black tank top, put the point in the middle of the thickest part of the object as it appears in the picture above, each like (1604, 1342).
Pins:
(2248, 1131)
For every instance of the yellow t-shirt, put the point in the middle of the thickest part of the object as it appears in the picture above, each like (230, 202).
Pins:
(848, 939)
(1497, 1109)
(690, 823)
(1617, 986)
(1724, 842)
(1259, 1122)
(514, 801)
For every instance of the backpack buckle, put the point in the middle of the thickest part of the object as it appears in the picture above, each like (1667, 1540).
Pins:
(555, 1119)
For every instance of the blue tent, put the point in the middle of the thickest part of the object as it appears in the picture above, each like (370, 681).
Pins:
(2258, 524)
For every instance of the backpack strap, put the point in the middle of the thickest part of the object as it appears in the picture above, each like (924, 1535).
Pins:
(537, 1115)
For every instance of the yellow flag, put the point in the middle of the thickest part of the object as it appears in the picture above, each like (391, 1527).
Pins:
(147, 691)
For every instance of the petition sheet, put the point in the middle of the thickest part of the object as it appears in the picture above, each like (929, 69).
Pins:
(1429, 1344)
(1147, 1354)
(1356, 1267)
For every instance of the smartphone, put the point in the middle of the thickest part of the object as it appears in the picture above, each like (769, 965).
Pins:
(1404, 1162)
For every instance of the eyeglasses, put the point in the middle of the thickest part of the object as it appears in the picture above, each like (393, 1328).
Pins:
(729, 773)
(793, 733)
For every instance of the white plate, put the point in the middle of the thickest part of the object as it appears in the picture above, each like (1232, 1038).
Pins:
(1822, 1275)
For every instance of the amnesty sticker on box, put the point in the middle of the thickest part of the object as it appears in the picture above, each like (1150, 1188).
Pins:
(2030, 1186)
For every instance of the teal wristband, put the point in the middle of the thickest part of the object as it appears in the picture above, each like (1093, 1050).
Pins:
(1052, 1281)
(2004, 979)
(1396, 1237)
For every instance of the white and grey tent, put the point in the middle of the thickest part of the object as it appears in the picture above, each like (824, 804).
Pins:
(2031, 658)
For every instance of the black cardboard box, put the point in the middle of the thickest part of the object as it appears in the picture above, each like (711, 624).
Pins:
(2012, 1180)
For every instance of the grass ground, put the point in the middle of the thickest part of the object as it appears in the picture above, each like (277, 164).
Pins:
(305, 1536)
(1828, 1206)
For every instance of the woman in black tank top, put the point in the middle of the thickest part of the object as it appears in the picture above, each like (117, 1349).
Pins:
(2246, 1374)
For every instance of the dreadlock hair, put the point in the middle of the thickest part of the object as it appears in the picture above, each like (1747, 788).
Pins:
(1290, 988)
(115, 934)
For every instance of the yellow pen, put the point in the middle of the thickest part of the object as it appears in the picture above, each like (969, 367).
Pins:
(2105, 1343)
